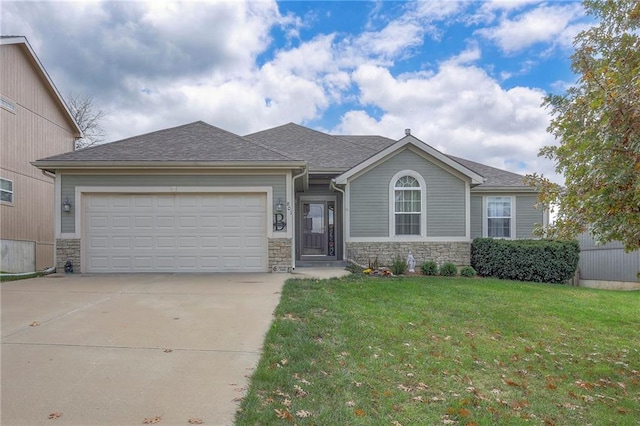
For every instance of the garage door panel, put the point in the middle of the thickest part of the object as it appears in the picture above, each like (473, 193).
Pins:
(120, 222)
(176, 233)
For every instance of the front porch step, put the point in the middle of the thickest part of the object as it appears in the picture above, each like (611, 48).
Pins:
(320, 264)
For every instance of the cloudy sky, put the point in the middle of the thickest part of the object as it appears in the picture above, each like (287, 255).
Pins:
(467, 77)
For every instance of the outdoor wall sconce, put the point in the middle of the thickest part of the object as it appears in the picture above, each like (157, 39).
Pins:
(66, 206)
(278, 217)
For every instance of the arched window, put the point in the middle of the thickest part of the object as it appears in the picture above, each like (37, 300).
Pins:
(407, 206)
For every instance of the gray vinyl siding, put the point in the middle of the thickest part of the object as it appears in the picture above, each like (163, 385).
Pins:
(445, 198)
(69, 183)
(607, 262)
(527, 216)
(476, 216)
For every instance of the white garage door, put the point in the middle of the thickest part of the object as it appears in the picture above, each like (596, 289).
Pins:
(175, 233)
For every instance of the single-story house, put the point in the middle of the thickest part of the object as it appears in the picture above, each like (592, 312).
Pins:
(197, 198)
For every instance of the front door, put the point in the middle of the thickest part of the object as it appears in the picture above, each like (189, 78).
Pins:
(318, 228)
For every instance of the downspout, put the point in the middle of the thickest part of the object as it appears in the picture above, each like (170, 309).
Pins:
(293, 215)
(343, 216)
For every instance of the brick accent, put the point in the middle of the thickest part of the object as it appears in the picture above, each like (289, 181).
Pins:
(279, 254)
(459, 253)
(68, 249)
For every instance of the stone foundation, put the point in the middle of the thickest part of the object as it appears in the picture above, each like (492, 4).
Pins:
(68, 249)
(458, 253)
(280, 255)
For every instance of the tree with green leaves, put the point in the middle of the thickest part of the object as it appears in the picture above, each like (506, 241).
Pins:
(597, 126)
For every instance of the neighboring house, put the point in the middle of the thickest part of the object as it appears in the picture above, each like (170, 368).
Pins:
(35, 123)
(198, 198)
(607, 265)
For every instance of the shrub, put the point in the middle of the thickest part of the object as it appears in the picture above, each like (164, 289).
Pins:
(353, 267)
(398, 266)
(468, 272)
(551, 261)
(429, 268)
(448, 270)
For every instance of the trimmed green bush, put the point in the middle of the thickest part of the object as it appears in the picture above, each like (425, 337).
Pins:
(550, 261)
(448, 270)
(468, 272)
(398, 266)
(429, 268)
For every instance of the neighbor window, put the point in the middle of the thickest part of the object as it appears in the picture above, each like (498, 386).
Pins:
(6, 190)
(407, 206)
(499, 217)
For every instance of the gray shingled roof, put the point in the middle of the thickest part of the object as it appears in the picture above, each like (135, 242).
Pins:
(321, 150)
(203, 142)
(493, 177)
(196, 141)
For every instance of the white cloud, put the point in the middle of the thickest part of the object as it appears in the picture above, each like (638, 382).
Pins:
(551, 24)
(459, 110)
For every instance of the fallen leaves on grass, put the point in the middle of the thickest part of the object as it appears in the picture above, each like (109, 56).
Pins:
(300, 393)
(359, 412)
(283, 414)
(55, 415)
(303, 414)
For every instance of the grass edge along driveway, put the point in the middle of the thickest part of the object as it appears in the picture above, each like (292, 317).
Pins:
(435, 350)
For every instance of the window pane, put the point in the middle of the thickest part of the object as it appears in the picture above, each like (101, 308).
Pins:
(6, 196)
(499, 228)
(407, 182)
(407, 201)
(7, 185)
(407, 224)
(498, 207)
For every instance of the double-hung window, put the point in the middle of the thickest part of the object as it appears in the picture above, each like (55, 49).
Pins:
(499, 218)
(6, 190)
(407, 206)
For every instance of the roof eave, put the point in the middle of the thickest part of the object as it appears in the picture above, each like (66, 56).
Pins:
(522, 188)
(150, 165)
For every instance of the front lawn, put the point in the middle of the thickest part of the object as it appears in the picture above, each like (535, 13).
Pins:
(435, 350)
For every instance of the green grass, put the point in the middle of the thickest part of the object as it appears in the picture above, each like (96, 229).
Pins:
(20, 277)
(435, 350)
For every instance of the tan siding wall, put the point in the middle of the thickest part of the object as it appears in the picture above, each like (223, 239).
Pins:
(37, 129)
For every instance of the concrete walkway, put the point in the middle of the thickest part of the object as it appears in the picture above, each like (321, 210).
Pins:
(116, 350)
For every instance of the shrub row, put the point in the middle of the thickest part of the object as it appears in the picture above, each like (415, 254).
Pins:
(550, 261)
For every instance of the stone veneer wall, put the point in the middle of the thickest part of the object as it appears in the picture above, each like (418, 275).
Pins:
(279, 254)
(459, 253)
(68, 249)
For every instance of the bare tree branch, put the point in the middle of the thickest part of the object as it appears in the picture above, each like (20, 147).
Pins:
(88, 119)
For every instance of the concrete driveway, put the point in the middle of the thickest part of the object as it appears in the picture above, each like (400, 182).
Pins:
(116, 350)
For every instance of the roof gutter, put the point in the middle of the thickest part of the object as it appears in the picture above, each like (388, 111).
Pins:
(523, 188)
(164, 165)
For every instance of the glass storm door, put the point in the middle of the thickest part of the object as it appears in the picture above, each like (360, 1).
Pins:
(318, 230)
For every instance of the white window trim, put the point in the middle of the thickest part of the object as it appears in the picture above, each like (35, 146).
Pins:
(12, 192)
(423, 207)
(485, 218)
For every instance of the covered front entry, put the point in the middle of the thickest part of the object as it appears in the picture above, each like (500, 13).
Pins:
(318, 228)
(215, 232)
